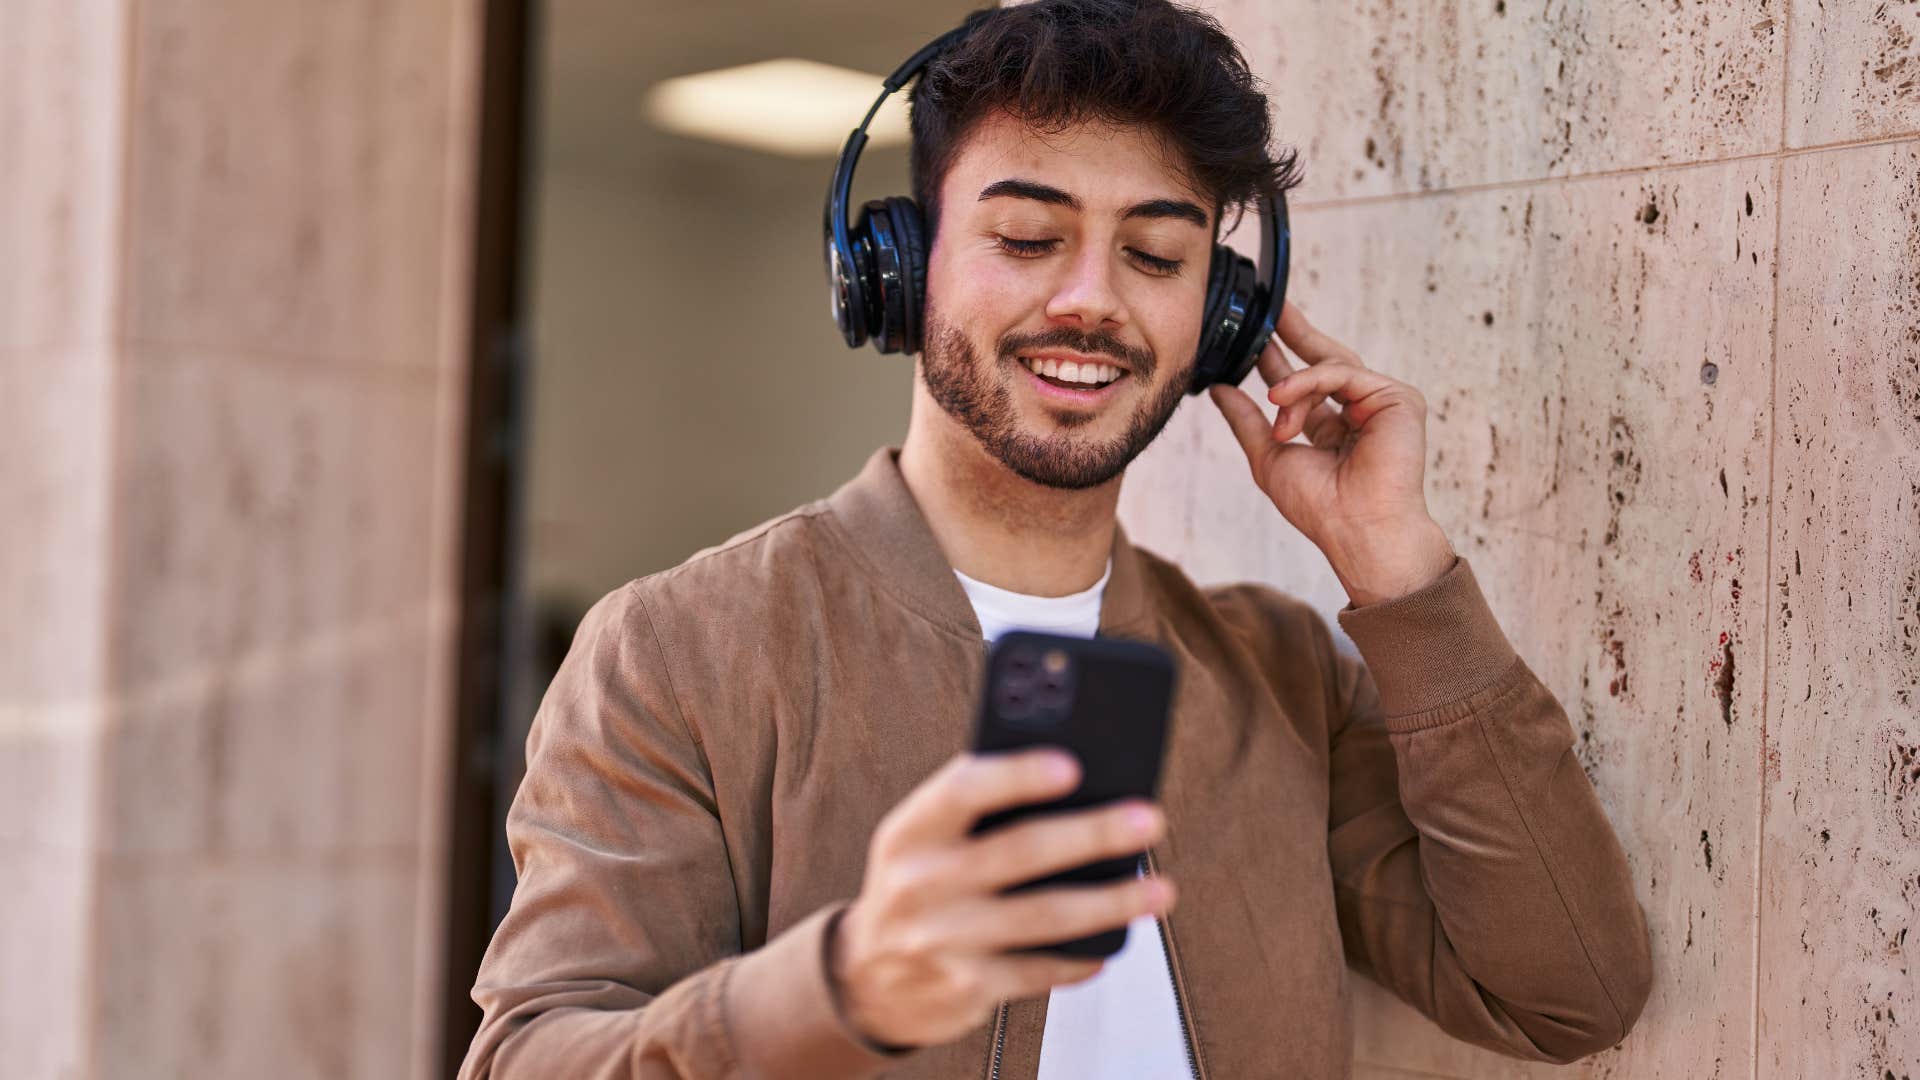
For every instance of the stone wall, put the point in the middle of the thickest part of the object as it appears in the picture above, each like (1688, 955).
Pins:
(232, 356)
(1656, 268)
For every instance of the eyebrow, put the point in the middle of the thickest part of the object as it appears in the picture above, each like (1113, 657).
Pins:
(1177, 209)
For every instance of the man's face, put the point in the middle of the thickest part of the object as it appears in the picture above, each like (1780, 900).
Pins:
(1060, 251)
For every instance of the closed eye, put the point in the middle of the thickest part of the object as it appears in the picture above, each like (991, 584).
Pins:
(1032, 248)
(1025, 247)
(1167, 267)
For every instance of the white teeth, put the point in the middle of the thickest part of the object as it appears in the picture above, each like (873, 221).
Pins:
(1072, 371)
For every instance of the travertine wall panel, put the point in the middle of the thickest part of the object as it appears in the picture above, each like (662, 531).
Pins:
(60, 139)
(55, 413)
(1855, 72)
(314, 750)
(1387, 97)
(266, 501)
(60, 132)
(1840, 898)
(44, 1022)
(256, 966)
(1692, 491)
(290, 167)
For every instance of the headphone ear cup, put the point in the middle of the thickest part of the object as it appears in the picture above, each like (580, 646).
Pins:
(875, 239)
(1209, 358)
(863, 280)
(909, 229)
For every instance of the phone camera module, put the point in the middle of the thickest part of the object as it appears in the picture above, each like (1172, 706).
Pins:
(1014, 700)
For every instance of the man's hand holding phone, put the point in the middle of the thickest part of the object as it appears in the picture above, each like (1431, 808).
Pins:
(925, 953)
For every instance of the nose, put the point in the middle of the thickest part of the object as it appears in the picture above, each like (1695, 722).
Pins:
(1087, 294)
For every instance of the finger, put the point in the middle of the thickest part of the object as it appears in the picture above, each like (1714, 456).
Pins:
(1250, 426)
(1362, 393)
(1310, 344)
(1318, 415)
(1292, 418)
(1288, 421)
(970, 786)
(1033, 849)
(1032, 974)
(1061, 913)
(1326, 427)
(1273, 363)
(1349, 384)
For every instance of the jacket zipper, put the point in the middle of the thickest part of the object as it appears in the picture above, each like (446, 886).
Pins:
(999, 1041)
(1179, 1002)
(1173, 975)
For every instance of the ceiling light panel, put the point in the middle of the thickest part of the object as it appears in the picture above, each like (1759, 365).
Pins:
(791, 107)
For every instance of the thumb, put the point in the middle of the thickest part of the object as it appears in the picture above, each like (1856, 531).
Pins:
(1250, 426)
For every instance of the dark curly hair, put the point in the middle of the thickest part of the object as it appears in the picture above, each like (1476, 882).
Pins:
(1059, 63)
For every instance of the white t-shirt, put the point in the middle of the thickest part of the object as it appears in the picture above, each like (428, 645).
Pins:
(1123, 1021)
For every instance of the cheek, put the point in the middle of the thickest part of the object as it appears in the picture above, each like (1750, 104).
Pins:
(1174, 323)
(986, 295)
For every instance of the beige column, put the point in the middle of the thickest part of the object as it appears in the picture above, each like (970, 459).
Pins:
(232, 354)
(62, 128)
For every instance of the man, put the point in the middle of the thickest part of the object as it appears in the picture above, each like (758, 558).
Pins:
(743, 838)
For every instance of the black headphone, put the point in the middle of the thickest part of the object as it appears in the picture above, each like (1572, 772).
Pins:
(877, 269)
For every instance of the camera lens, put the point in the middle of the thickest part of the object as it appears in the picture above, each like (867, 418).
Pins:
(1012, 701)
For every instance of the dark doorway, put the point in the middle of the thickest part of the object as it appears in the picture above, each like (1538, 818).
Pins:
(479, 875)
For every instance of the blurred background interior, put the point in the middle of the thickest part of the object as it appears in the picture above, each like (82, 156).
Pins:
(348, 351)
(675, 375)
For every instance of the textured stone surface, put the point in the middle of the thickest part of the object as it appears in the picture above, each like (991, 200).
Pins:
(315, 749)
(1612, 503)
(1387, 97)
(263, 502)
(55, 414)
(289, 178)
(45, 944)
(268, 966)
(1855, 71)
(1840, 898)
(61, 100)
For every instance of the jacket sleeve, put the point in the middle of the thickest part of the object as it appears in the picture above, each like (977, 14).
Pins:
(620, 955)
(1475, 873)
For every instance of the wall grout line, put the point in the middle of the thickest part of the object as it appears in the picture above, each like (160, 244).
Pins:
(1773, 488)
(1602, 174)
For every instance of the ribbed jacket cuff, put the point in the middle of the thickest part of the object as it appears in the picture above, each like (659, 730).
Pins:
(1431, 647)
(781, 1013)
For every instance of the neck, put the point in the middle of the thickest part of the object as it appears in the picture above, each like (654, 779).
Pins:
(995, 525)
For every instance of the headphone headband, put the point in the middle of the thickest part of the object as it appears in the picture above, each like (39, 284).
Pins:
(847, 298)
(876, 268)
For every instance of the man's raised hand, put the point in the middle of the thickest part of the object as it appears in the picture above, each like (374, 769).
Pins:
(922, 957)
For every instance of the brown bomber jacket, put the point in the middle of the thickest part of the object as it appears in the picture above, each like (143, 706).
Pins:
(706, 769)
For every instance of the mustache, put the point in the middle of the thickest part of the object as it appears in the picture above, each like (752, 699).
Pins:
(1140, 360)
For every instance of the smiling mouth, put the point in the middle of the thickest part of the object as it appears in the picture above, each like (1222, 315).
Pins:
(1080, 380)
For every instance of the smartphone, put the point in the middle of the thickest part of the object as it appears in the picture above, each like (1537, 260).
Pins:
(1105, 701)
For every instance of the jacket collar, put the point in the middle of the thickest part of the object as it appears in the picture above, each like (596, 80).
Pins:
(882, 525)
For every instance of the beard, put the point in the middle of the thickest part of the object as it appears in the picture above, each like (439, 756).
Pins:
(976, 396)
